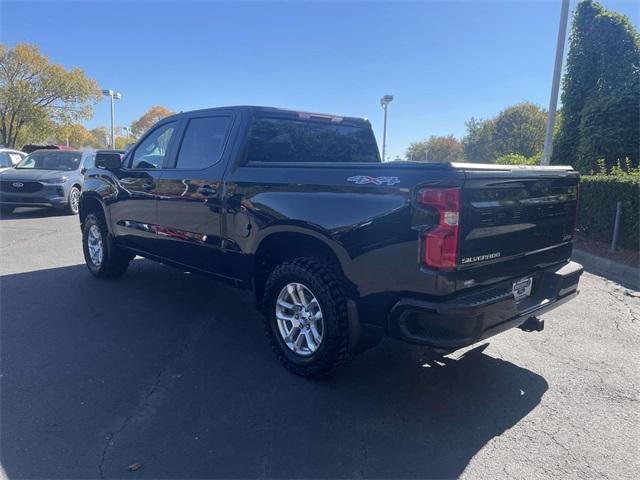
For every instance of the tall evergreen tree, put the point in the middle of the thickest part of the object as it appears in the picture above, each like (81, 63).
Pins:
(601, 90)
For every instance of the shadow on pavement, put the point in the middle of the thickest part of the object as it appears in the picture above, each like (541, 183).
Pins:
(171, 370)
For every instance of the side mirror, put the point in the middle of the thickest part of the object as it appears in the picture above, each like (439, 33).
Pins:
(108, 160)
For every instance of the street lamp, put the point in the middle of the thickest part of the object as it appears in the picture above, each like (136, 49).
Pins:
(555, 85)
(114, 96)
(385, 101)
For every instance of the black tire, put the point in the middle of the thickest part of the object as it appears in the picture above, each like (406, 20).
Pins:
(6, 209)
(114, 261)
(73, 204)
(325, 283)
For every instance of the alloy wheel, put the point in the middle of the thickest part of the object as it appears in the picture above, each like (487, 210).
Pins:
(74, 199)
(94, 244)
(299, 319)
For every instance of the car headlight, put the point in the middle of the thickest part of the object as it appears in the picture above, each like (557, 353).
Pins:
(54, 180)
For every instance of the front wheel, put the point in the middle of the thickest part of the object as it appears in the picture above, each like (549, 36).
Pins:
(305, 310)
(103, 258)
(73, 205)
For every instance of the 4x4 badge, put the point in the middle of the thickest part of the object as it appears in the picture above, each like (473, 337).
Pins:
(365, 179)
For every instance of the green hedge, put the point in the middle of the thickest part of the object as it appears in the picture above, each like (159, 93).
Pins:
(598, 197)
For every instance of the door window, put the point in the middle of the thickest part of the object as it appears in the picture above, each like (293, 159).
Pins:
(203, 142)
(152, 151)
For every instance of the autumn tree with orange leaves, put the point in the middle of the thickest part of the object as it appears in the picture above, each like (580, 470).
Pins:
(150, 118)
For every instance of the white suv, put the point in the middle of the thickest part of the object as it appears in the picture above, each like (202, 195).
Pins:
(9, 158)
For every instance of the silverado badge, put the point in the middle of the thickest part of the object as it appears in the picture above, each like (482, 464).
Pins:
(480, 258)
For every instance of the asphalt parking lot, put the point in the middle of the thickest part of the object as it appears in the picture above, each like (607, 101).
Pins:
(171, 371)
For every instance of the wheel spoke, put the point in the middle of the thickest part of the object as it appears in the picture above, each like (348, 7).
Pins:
(293, 335)
(288, 318)
(298, 342)
(300, 291)
(310, 341)
(315, 333)
(287, 305)
(293, 294)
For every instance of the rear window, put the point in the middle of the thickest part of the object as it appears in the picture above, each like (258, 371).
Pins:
(283, 140)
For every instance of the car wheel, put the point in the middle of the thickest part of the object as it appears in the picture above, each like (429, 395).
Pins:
(6, 209)
(103, 258)
(305, 311)
(73, 205)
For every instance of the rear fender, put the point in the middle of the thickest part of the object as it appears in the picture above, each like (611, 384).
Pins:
(342, 256)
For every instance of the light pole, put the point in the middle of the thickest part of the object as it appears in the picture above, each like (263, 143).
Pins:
(114, 96)
(385, 101)
(555, 85)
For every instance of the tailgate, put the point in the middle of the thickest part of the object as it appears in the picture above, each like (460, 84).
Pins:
(515, 220)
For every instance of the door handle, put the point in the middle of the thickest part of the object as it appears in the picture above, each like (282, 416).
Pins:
(148, 186)
(207, 190)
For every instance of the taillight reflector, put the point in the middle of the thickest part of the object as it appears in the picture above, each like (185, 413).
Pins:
(440, 243)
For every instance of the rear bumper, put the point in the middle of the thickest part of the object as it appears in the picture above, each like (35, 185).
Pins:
(469, 318)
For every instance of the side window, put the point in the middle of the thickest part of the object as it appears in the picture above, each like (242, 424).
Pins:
(152, 151)
(89, 160)
(5, 161)
(16, 157)
(203, 142)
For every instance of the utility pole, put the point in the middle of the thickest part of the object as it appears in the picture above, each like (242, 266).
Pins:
(385, 101)
(113, 96)
(555, 85)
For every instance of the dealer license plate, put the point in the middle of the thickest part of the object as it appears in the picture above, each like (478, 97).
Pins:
(522, 288)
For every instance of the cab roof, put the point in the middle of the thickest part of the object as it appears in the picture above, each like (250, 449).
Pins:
(256, 110)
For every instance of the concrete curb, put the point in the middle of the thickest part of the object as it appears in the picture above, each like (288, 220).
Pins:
(625, 275)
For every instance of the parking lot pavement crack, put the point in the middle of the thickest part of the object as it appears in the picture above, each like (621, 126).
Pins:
(623, 299)
(154, 394)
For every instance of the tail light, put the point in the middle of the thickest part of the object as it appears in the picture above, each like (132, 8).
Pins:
(440, 243)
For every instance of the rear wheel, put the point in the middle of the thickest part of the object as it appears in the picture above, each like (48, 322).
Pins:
(305, 311)
(73, 206)
(103, 258)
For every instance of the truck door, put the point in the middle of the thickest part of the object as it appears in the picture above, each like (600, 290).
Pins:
(190, 194)
(134, 215)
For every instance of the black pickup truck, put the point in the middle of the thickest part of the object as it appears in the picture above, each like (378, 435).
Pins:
(338, 248)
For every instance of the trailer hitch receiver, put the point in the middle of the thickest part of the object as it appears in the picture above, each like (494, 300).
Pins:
(532, 324)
